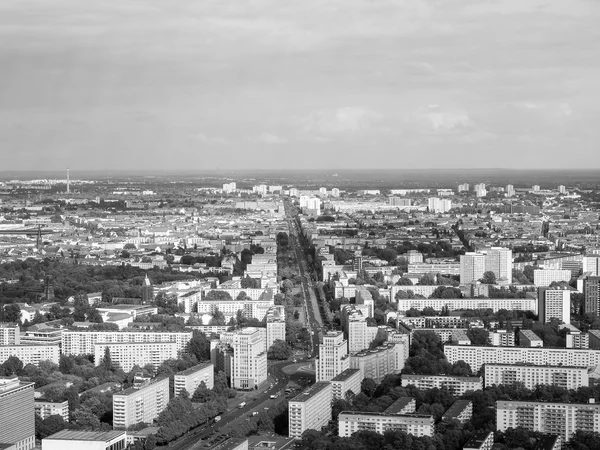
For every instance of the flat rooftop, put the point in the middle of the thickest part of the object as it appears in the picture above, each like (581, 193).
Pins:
(399, 405)
(456, 408)
(194, 369)
(346, 374)
(78, 435)
(133, 390)
(310, 392)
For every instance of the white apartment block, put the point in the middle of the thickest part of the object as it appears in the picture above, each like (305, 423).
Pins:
(83, 342)
(46, 409)
(502, 338)
(348, 380)
(275, 325)
(499, 261)
(530, 375)
(9, 334)
(30, 354)
(377, 363)
(476, 356)
(359, 334)
(128, 355)
(554, 303)
(528, 338)
(140, 404)
(439, 205)
(90, 440)
(472, 267)
(443, 268)
(456, 385)
(563, 419)
(591, 264)
(545, 277)
(249, 368)
(457, 304)
(333, 356)
(191, 378)
(416, 424)
(310, 410)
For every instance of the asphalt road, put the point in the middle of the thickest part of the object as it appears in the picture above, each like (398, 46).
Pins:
(193, 439)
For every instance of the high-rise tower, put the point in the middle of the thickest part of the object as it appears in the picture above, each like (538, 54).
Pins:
(68, 182)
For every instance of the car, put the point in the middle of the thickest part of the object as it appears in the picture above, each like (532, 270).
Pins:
(266, 408)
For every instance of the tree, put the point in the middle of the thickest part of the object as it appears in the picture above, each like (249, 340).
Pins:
(368, 387)
(428, 280)
(478, 336)
(489, 277)
(218, 318)
(12, 366)
(12, 313)
(199, 346)
(280, 350)
(404, 282)
(107, 361)
(94, 316)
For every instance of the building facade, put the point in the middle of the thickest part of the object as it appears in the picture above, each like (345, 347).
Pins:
(347, 381)
(17, 416)
(46, 409)
(126, 356)
(191, 378)
(333, 356)
(456, 385)
(30, 354)
(416, 424)
(311, 409)
(249, 367)
(530, 375)
(141, 403)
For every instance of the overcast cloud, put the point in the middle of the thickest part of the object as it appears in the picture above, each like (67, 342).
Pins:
(162, 84)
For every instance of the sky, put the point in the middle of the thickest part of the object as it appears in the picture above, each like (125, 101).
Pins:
(311, 84)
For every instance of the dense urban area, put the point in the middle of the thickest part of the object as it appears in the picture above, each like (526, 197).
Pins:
(266, 313)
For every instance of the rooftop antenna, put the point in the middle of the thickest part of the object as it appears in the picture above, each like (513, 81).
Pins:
(68, 182)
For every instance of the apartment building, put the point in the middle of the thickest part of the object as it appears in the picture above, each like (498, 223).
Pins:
(456, 385)
(416, 424)
(333, 356)
(83, 342)
(403, 405)
(502, 338)
(128, 355)
(359, 334)
(275, 325)
(499, 261)
(42, 336)
(17, 417)
(545, 277)
(30, 354)
(458, 304)
(311, 409)
(554, 303)
(378, 362)
(46, 409)
(249, 366)
(591, 265)
(141, 403)
(477, 356)
(9, 334)
(591, 294)
(531, 375)
(545, 417)
(460, 410)
(481, 440)
(472, 267)
(191, 378)
(347, 381)
(90, 440)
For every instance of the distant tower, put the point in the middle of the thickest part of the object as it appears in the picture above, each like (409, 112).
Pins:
(68, 182)
(147, 291)
(49, 289)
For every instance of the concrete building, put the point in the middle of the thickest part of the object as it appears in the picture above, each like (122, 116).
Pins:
(90, 440)
(17, 417)
(439, 205)
(591, 294)
(46, 409)
(461, 410)
(333, 356)
(554, 303)
(476, 356)
(591, 265)
(456, 385)
(457, 304)
(191, 378)
(531, 375)
(83, 342)
(502, 338)
(9, 334)
(42, 336)
(472, 267)
(128, 355)
(141, 403)
(416, 424)
(311, 409)
(527, 338)
(30, 354)
(275, 325)
(378, 362)
(545, 277)
(348, 380)
(545, 417)
(403, 405)
(249, 366)
(499, 261)
(481, 440)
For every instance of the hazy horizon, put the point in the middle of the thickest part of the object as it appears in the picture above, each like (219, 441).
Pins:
(153, 85)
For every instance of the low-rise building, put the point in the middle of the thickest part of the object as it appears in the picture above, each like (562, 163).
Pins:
(90, 440)
(527, 338)
(311, 409)
(461, 410)
(403, 405)
(416, 424)
(532, 375)
(481, 440)
(46, 409)
(456, 385)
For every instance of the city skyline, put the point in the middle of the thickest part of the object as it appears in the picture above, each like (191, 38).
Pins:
(268, 85)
